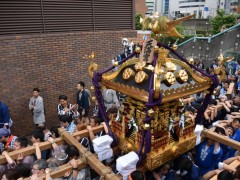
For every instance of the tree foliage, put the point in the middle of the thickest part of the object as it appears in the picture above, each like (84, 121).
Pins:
(138, 26)
(222, 19)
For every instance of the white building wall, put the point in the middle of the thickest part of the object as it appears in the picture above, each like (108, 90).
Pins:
(151, 7)
(201, 9)
(159, 6)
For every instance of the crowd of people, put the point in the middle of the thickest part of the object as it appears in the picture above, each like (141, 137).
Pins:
(207, 159)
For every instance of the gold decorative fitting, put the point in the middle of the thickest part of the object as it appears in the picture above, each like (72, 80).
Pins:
(156, 48)
(174, 46)
(151, 113)
(170, 66)
(169, 79)
(115, 64)
(92, 88)
(137, 49)
(92, 68)
(191, 61)
(128, 73)
(94, 98)
(162, 25)
(217, 71)
(141, 76)
(146, 126)
(157, 86)
(140, 65)
(182, 76)
(162, 54)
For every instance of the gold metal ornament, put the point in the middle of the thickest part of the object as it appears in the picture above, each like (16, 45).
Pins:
(92, 68)
(217, 71)
(175, 47)
(115, 64)
(137, 49)
(146, 126)
(169, 79)
(162, 25)
(140, 77)
(191, 61)
(157, 86)
(156, 48)
(151, 113)
(140, 65)
(94, 98)
(170, 66)
(128, 73)
(92, 88)
(182, 76)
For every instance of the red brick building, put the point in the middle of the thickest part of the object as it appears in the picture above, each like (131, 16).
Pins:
(141, 7)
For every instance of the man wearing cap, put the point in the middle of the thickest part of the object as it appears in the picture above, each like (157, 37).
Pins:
(4, 115)
(6, 140)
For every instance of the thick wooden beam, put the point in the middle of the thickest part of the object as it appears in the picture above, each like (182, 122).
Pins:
(220, 138)
(46, 145)
(234, 164)
(60, 172)
(90, 158)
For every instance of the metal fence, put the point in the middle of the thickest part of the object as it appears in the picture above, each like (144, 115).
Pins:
(45, 16)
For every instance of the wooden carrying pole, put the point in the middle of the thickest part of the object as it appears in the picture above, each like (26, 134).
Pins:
(60, 172)
(220, 138)
(46, 145)
(88, 157)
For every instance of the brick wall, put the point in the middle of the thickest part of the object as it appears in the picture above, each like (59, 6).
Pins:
(52, 62)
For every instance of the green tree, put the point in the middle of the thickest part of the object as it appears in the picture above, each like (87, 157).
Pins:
(222, 19)
(138, 26)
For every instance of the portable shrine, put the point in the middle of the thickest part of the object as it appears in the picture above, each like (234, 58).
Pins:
(152, 120)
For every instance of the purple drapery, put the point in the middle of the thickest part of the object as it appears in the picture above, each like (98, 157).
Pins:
(214, 84)
(97, 77)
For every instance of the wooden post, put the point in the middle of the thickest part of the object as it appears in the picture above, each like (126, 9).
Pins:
(89, 157)
(220, 138)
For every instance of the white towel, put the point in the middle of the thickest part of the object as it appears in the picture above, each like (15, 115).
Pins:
(197, 131)
(106, 154)
(127, 164)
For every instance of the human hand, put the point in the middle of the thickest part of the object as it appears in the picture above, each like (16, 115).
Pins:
(48, 170)
(83, 112)
(66, 110)
(89, 128)
(36, 144)
(20, 156)
(73, 163)
(51, 140)
(4, 153)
